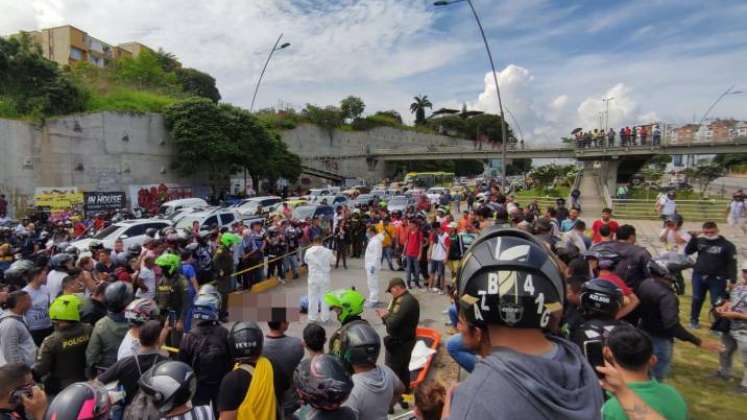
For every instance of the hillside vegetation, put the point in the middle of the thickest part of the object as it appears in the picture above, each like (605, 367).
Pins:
(32, 87)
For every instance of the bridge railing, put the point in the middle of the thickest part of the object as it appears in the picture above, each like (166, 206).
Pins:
(691, 210)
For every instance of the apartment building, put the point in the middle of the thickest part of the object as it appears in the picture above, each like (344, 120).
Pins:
(69, 45)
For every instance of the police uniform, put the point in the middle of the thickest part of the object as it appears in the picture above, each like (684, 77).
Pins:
(401, 323)
(61, 359)
(223, 263)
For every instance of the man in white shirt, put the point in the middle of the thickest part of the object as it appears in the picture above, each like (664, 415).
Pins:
(319, 260)
(665, 206)
(737, 212)
(372, 265)
(437, 253)
(61, 265)
(147, 278)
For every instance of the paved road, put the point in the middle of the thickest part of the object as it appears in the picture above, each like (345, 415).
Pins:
(728, 184)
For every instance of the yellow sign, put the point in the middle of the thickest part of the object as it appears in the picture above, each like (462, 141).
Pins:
(58, 200)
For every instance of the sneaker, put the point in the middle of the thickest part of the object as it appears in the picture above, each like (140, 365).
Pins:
(435, 290)
(694, 326)
(441, 292)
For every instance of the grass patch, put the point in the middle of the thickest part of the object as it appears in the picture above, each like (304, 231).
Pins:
(128, 100)
(706, 398)
(539, 192)
(643, 194)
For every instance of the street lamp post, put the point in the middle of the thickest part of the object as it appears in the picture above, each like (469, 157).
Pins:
(495, 80)
(259, 81)
(727, 92)
(607, 112)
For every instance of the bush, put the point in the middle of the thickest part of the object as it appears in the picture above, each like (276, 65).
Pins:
(373, 121)
(129, 100)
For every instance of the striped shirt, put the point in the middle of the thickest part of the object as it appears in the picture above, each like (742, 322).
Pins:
(201, 412)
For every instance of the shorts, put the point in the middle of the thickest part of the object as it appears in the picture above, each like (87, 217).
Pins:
(437, 267)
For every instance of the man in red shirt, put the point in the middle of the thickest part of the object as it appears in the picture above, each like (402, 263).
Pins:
(412, 249)
(605, 220)
(602, 264)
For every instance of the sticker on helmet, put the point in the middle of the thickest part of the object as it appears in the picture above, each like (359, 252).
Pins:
(511, 313)
(515, 253)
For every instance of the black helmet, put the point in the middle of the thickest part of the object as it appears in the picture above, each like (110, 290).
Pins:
(356, 343)
(80, 401)
(72, 250)
(658, 269)
(59, 261)
(134, 250)
(95, 245)
(600, 297)
(245, 340)
(509, 278)
(169, 384)
(117, 296)
(322, 382)
(151, 232)
(18, 272)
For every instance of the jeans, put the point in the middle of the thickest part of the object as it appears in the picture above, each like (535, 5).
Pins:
(703, 284)
(386, 254)
(413, 269)
(734, 341)
(663, 352)
(453, 318)
(464, 357)
(291, 263)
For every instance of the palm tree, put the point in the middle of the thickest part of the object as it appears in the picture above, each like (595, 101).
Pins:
(418, 108)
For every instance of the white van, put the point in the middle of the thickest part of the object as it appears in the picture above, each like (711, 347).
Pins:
(172, 206)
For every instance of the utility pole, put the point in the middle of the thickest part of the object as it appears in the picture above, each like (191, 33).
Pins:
(606, 102)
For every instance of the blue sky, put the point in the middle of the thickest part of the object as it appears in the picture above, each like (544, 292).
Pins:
(660, 59)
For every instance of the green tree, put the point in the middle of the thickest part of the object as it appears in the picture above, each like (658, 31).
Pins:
(144, 71)
(546, 175)
(31, 84)
(396, 116)
(327, 118)
(352, 107)
(519, 167)
(197, 83)
(167, 60)
(488, 125)
(218, 139)
(418, 108)
(704, 174)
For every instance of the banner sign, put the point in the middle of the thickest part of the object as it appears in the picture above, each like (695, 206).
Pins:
(58, 198)
(98, 201)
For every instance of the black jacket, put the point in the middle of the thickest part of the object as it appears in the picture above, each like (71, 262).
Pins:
(205, 349)
(632, 265)
(716, 257)
(660, 311)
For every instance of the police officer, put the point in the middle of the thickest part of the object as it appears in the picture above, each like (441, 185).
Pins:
(61, 360)
(171, 292)
(223, 266)
(401, 320)
(109, 331)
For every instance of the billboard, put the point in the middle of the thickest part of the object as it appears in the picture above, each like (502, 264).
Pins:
(101, 201)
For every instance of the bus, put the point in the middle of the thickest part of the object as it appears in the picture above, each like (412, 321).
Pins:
(429, 179)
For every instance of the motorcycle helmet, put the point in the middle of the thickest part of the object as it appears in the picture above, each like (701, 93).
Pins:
(95, 245)
(509, 278)
(59, 262)
(657, 268)
(210, 290)
(600, 297)
(356, 343)
(141, 310)
(134, 250)
(348, 302)
(245, 340)
(151, 232)
(117, 296)
(322, 382)
(206, 307)
(80, 401)
(72, 250)
(169, 384)
(65, 308)
(229, 239)
(169, 263)
(18, 272)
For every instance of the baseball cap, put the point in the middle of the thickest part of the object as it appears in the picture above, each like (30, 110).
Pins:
(396, 281)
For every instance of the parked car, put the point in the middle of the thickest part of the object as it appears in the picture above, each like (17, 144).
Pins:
(173, 206)
(434, 193)
(131, 232)
(363, 199)
(249, 206)
(313, 210)
(208, 219)
(399, 203)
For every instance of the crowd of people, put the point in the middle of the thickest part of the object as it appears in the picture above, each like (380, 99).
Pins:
(643, 135)
(546, 313)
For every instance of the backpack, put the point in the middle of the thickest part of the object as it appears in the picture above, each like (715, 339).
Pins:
(210, 355)
(141, 407)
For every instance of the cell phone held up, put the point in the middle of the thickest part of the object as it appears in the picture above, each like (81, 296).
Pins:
(594, 354)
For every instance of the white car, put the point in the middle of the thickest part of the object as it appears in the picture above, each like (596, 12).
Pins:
(249, 206)
(173, 206)
(208, 219)
(131, 232)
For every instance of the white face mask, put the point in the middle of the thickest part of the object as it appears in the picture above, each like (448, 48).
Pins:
(711, 237)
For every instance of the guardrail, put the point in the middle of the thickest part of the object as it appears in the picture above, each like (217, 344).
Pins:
(690, 210)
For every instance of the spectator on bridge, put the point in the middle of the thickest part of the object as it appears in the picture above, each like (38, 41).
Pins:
(657, 135)
(623, 137)
(606, 220)
(634, 135)
(643, 132)
(611, 138)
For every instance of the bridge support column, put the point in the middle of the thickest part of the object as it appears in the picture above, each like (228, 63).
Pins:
(606, 170)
